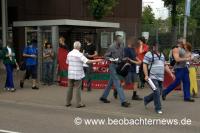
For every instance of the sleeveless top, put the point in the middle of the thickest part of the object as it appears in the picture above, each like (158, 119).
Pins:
(181, 64)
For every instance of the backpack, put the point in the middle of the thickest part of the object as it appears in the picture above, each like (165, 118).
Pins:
(123, 68)
(141, 71)
(172, 61)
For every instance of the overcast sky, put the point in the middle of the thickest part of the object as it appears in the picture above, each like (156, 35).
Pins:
(158, 8)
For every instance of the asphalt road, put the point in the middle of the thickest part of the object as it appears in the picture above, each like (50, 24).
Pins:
(43, 111)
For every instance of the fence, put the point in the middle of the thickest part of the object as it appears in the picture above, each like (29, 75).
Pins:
(164, 35)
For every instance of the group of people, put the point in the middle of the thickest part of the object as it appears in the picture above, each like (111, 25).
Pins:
(80, 61)
(117, 51)
(29, 64)
(182, 55)
(151, 60)
(77, 65)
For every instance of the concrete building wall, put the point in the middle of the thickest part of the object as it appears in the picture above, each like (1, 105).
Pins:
(127, 12)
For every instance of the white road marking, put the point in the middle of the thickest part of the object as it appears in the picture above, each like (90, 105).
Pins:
(6, 131)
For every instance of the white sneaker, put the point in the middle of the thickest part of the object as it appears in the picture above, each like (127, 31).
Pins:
(12, 89)
(159, 112)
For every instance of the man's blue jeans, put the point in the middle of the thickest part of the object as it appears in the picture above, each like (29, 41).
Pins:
(182, 74)
(155, 95)
(114, 79)
(48, 72)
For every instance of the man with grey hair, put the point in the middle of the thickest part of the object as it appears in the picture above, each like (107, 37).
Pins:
(76, 60)
(115, 51)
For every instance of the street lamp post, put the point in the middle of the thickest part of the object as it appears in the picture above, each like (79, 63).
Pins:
(4, 21)
(187, 13)
(179, 23)
(185, 27)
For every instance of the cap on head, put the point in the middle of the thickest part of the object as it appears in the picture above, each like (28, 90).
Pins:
(118, 37)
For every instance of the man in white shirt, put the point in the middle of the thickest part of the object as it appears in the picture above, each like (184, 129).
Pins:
(76, 60)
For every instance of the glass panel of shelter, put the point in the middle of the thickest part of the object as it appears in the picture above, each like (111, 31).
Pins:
(31, 33)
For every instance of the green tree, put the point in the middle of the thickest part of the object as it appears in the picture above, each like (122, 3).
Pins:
(101, 8)
(194, 15)
(162, 25)
(172, 5)
(195, 11)
(148, 16)
(148, 20)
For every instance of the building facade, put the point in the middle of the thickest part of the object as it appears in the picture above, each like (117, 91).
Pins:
(127, 13)
(46, 20)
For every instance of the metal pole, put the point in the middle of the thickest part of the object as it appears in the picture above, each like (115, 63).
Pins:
(185, 28)
(55, 41)
(39, 46)
(187, 13)
(179, 25)
(4, 22)
(26, 38)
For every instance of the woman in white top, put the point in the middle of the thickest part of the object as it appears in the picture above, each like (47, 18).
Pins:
(10, 63)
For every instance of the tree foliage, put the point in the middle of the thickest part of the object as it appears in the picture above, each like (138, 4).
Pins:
(170, 2)
(101, 8)
(177, 8)
(148, 16)
(172, 5)
(195, 10)
(180, 10)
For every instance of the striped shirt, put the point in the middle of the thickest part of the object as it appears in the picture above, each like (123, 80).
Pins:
(157, 69)
(76, 60)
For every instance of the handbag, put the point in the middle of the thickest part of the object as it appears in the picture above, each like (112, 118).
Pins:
(123, 68)
(22, 66)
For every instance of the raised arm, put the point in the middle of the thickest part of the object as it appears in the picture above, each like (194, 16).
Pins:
(137, 61)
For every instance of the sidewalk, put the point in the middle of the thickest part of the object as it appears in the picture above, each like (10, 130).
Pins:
(53, 97)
